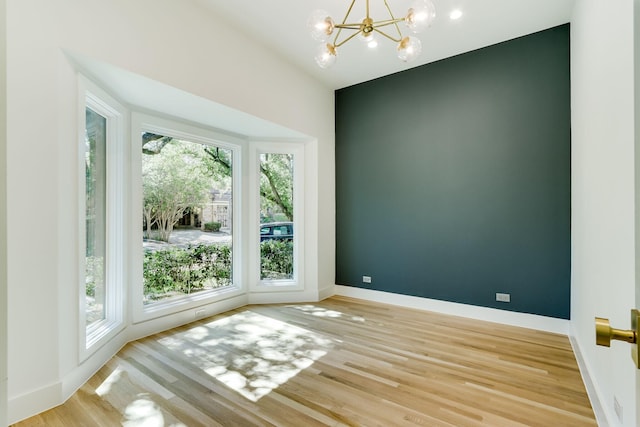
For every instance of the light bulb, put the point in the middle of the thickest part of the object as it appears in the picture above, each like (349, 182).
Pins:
(455, 14)
(326, 55)
(409, 48)
(369, 39)
(420, 16)
(320, 25)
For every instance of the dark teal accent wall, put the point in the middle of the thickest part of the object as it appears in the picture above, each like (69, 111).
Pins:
(453, 178)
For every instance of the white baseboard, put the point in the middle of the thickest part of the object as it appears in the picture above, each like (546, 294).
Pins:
(77, 377)
(602, 417)
(325, 293)
(279, 297)
(22, 406)
(524, 320)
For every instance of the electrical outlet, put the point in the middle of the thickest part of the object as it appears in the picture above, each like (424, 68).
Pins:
(503, 297)
(199, 313)
(366, 279)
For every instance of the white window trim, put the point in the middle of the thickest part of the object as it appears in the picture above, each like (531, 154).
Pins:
(297, 283)
(97, 334)
(148, 123)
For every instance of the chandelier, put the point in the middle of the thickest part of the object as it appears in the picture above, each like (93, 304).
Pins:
(322, 27)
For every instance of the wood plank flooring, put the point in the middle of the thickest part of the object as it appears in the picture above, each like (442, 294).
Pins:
(339, 362)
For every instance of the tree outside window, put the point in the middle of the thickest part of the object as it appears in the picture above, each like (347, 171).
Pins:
(183, 254)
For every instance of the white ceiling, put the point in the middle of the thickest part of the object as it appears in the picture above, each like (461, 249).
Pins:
(485, 22)
(281, 26)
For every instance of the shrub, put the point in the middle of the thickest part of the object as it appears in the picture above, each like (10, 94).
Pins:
(186, 270)
(212, 226)
(276, 259)
(179, 271)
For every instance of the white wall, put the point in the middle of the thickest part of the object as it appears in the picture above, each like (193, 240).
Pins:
(175, 43)
(603, 194)
(3, 216)
(636, 54)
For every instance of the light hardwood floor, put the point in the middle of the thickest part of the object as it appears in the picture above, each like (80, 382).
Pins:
(339, 362)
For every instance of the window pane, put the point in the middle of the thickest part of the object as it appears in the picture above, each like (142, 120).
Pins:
(276, 216)
(187, 217)
(95, 202)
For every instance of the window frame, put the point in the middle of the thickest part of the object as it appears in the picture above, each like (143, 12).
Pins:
(142, 122)
(277, 147)
(98, 333)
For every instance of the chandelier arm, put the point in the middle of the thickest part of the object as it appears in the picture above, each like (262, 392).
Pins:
(398, 40)
(335, 41)
(354, 26)
(387, 22)
(398, 29)
(394, 19)
(344, 25)
(349, 11)
(386, 4)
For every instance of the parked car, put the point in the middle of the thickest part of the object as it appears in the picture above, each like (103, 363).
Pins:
(276, 231)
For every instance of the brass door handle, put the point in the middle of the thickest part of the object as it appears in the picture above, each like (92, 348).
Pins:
(605, 333)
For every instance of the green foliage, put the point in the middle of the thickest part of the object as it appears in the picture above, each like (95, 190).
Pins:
(276, 180)
(276, 185)
(212, 226)
(173, 180)
(94, 274)
(218, 162)
(276, 259)
(178, 271)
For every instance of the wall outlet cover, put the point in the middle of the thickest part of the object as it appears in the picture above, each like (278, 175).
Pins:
(503, 297)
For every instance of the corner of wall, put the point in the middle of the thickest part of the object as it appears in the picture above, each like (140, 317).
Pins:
(326, 292)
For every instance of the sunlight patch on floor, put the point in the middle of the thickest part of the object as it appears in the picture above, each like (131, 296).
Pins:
(317, 311)
(248, 352)
(137, 407)
(142, 413)
(323, 312)
(106, 385)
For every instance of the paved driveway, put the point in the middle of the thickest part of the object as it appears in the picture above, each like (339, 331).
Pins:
(182, 238)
